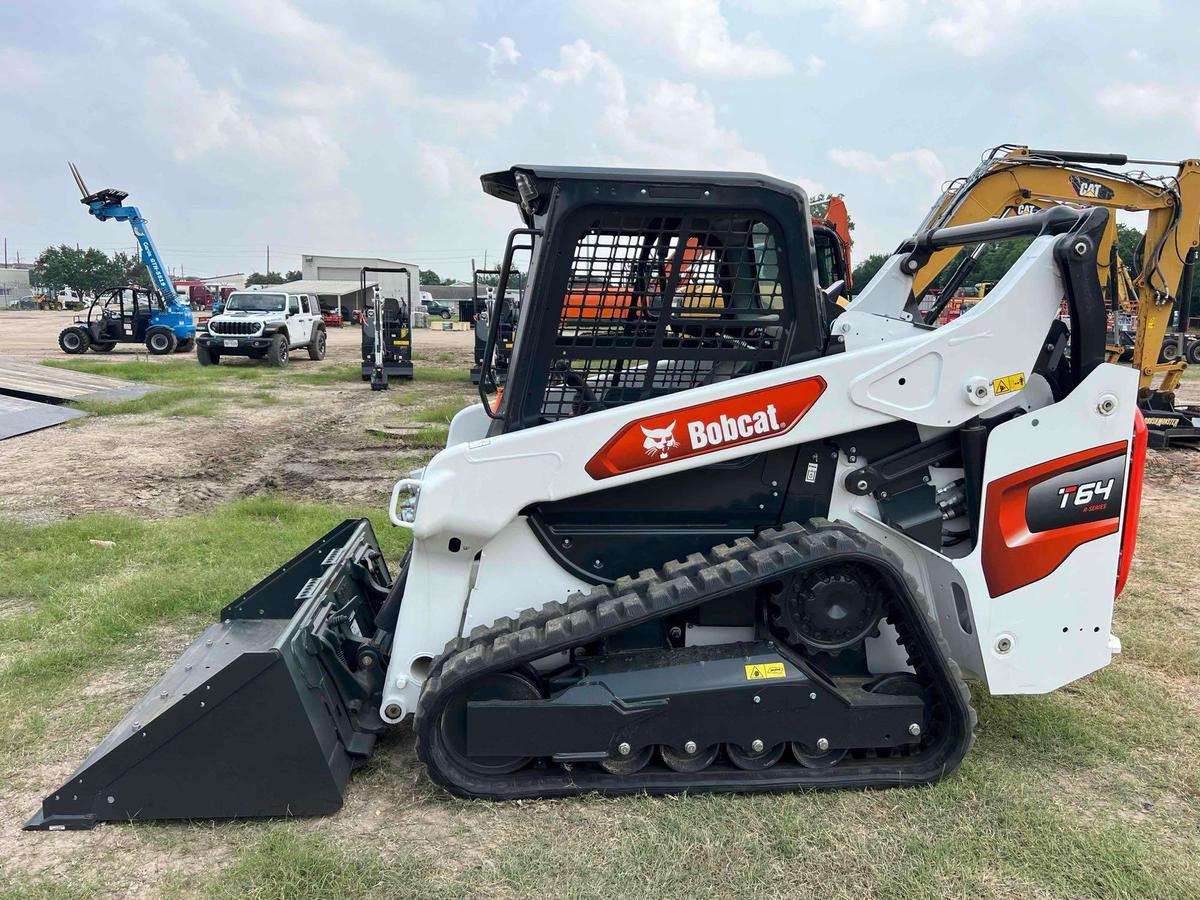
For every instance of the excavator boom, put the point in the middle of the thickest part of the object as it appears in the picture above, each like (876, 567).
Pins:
(1015, 180)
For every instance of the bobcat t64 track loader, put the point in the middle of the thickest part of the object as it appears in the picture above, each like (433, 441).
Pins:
(716, 535)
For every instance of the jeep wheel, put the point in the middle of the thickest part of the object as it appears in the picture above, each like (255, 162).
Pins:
(277, 355)
(206, 357)
(103, 346)
(446, 314)
(73, 340)
(185, 346)
(316, 347)
(161, 341)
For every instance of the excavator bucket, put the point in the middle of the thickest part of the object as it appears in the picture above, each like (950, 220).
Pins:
(265, 714)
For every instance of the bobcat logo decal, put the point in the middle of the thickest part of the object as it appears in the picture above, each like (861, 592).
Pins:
(659, 441)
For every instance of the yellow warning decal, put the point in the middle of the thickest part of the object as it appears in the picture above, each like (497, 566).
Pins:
(400, 343)
(1161, 420)
(1008, 383)
(757, 671)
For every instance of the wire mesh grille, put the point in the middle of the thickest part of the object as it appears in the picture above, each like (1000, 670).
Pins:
(656, 304)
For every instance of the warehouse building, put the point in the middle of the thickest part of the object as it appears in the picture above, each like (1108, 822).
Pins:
(345, 297)
(14, 284)
(336, 280)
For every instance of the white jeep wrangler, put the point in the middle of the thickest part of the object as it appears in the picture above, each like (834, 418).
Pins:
(263, 324)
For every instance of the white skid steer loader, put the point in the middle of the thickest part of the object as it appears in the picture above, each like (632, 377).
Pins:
(716, 533)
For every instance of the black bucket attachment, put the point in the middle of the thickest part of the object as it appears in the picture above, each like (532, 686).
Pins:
(265, 714)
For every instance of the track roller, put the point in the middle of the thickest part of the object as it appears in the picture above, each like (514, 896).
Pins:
(689, 757)
(816, 759)
(634, 761)
(754, 760)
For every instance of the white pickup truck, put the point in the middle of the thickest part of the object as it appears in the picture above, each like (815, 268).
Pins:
(266, 324)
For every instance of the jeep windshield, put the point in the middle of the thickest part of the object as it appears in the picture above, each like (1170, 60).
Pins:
(256, 302)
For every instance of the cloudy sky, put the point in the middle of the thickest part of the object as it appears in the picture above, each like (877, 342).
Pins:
(361, 126)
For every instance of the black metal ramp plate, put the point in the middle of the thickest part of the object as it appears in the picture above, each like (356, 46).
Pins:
(18, 416)
(245, 723)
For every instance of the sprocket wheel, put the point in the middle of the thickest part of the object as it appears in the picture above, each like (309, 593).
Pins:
(831, 608)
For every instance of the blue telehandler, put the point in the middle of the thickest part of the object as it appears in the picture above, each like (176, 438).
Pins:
(128, 315)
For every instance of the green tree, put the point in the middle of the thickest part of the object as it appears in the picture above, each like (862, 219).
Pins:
(293, 275)
(867, 268)
(269, 278)
(428, 276)
(516, 280)
(1129, 240)
(129, 269)
(86, 271)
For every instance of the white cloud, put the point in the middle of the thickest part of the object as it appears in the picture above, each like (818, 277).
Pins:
(695, 33)
(814, 65)
(869, 15)
(20, 70)
(967, 27)
(445, 168)
(196, 121)
(1150, 102)
(352, 71)
(503, 52)
(921, 170)
(668, 124)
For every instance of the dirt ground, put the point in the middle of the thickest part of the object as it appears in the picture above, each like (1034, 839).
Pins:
(313, 442)
(310, 441)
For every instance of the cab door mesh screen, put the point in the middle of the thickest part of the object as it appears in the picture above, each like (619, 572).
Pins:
(656, 304)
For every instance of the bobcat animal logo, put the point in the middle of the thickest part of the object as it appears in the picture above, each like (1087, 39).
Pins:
(659, 441)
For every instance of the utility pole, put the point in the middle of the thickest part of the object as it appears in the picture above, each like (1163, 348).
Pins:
(6, 253)
(268, 272)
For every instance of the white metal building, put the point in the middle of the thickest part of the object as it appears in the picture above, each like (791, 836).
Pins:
(314, 267)
(14, 284)
(342, 296)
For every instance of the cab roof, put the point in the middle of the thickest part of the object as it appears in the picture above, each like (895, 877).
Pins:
(505, 185)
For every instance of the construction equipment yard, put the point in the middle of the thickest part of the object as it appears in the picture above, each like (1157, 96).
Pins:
(770, 492)
(206, 483)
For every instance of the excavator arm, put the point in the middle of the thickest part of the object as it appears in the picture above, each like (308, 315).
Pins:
(1015, 179)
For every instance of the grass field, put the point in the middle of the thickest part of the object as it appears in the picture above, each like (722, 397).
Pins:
(188, 389)
(1089, 792)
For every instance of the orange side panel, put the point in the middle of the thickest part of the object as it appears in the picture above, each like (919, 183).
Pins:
(1013, 556)
(1133, 500)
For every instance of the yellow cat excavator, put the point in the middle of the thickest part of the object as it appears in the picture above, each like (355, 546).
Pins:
(1015, 180)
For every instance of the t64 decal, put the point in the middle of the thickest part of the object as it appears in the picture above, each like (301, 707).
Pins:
(1034, 518)
(730, 422)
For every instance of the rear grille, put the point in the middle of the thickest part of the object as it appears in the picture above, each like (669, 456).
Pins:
(234, 328)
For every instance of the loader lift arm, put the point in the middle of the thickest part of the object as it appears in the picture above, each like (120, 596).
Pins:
(1016, 179)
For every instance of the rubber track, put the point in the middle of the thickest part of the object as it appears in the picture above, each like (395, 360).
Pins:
(676, 586)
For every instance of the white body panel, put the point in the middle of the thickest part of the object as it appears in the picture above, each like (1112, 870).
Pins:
(472, 493)
(1060, 634)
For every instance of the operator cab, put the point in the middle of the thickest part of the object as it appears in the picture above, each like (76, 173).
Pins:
(123, 314)
(642, 284)
(645, 282)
